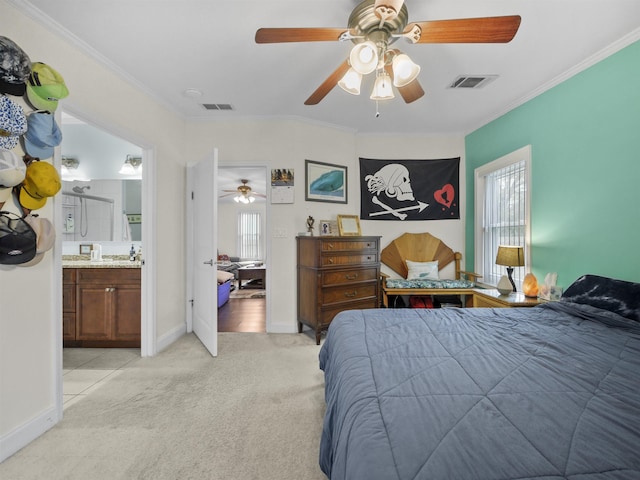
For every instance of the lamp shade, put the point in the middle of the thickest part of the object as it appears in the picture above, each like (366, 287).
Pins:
(382, 88)
(404, 70)
(364, 57)
(351, 82)
(510, 256)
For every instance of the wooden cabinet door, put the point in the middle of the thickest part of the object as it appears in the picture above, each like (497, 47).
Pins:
(126, 313)
(94, 312)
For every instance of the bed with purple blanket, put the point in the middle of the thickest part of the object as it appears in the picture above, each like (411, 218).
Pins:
(550, 392)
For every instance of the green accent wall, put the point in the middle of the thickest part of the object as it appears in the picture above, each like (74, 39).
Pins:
(585, 141)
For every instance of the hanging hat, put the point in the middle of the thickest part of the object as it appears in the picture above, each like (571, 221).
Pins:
(45, 87)
(13, 122)
(12, 172)
(15, 67)
(42, 135)
(40, 182)
(45, 238)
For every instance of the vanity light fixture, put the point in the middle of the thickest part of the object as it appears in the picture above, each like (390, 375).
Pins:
(131, 166)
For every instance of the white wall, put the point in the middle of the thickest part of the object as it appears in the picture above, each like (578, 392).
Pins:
(287, 144)
(30, 298)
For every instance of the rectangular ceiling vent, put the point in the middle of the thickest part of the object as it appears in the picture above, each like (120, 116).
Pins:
(217, 106)
(472, 81)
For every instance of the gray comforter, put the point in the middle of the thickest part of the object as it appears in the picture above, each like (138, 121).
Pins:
(551, 392)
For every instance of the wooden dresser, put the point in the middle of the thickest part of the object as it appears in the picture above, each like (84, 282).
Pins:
(336, 274)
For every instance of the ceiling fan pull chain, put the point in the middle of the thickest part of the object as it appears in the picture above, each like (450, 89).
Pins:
(377, 110)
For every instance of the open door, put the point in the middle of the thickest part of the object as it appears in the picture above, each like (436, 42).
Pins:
(202, 208)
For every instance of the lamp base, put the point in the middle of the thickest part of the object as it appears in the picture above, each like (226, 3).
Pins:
(504, 286)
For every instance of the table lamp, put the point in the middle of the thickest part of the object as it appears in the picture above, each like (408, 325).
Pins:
(510, 257)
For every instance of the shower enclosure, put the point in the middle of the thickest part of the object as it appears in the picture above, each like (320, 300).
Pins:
(87, 217)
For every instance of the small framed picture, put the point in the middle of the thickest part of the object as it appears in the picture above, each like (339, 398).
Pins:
(349, 225)
(85, 249)
(328, 227)
(325, 182)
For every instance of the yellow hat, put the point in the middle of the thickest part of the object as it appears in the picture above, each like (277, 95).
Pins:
(40, 182)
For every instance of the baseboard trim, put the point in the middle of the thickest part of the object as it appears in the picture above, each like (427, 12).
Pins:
(171, 336)
(23, 435)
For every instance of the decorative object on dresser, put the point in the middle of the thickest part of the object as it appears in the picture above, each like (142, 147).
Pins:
(349, 225)
(335, 274)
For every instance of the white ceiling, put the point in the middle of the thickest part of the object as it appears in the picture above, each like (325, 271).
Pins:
(167, 47)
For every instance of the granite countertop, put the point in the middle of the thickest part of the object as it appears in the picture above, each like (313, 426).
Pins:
(108, 261)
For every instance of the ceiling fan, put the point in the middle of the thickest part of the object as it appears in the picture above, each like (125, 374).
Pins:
(244, 193)
(373, 26)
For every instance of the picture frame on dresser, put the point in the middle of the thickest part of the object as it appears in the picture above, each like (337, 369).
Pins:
(325, 182)
(349, 225)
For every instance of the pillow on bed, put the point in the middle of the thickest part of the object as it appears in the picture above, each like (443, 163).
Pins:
(617, 296)
(422, 270)
(224, 276)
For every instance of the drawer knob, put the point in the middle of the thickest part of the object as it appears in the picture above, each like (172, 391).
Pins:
(351, 294)
(330, 245)
(351, 277)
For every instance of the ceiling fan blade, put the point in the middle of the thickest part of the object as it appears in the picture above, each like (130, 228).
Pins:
(331, 81)
(410, 92)
(468, 30)
(283, 35)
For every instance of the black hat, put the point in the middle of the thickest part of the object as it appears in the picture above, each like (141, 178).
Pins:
(15, 68)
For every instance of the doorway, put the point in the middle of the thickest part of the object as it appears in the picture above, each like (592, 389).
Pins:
(246, 308)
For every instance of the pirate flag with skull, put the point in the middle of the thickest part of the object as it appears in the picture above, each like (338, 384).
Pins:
(409, 189)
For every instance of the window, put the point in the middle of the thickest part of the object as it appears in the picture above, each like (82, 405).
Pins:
(249, 235)
(502, 213)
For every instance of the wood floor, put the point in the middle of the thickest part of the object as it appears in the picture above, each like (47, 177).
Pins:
(243, 315)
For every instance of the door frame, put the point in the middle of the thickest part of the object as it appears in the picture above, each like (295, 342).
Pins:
(148, 341)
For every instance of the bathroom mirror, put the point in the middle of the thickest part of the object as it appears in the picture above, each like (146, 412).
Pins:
(101, 185)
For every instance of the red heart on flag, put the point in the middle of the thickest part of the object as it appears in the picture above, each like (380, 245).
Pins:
(445, 195)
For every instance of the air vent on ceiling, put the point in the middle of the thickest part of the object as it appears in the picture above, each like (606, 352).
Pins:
(217, 106)
(472, 81)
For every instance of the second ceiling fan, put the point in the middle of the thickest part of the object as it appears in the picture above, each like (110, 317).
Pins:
(244, 193)
(373, 26)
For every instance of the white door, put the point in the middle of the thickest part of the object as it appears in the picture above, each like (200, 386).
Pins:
(202, 209)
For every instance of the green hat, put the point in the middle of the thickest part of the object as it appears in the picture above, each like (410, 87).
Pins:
(45, 87)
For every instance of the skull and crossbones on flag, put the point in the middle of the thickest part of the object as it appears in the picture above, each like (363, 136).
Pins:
(409, 189)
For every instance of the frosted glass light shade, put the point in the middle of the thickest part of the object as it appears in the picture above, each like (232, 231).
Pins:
(404, 70)
(504, 286)
(351, 82)
(382, 88)
(364, 57)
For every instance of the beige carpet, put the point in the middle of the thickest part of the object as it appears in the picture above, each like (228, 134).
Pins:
(254, 412)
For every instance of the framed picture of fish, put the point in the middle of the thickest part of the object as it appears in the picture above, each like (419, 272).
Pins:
(325, 182)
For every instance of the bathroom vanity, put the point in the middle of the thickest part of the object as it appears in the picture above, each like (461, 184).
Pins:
(101, 303)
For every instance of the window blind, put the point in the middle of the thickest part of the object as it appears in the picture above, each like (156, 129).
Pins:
(504, 218)
(249, 235)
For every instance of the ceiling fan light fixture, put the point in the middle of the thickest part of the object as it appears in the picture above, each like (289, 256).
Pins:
(364, 57)
(387, 9)
(405, 70)
(382, 88)
(351, 82)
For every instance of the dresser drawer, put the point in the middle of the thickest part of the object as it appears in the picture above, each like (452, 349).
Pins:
(327, 314)
(348, 293)
(353, 259)
(339, 277)
(345, 245)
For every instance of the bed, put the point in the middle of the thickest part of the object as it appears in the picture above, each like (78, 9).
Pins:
(418, 259)
(549, 392)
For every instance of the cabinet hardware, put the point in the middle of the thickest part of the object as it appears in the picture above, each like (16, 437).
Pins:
(351, 277)
(352, 294)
